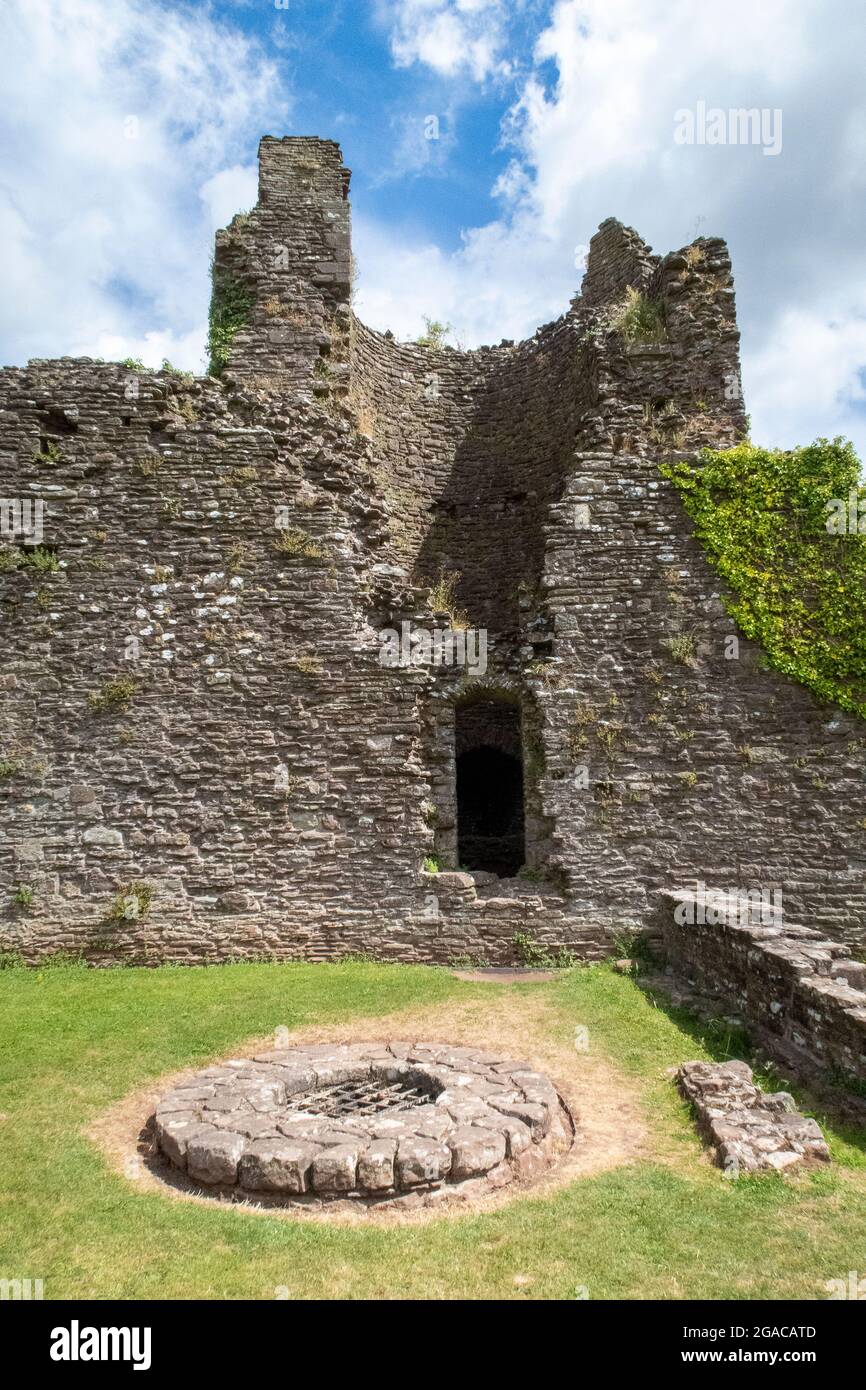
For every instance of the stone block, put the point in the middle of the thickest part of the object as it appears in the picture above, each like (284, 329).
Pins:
(213, 1158)
(335, 1169)
(376, 1165)
(474, 1150)
(276, 1165)
(421, 1160)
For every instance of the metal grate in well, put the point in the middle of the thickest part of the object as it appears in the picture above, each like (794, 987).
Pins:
(359, 1098)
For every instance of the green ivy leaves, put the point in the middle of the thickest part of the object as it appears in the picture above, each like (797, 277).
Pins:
(797, 589)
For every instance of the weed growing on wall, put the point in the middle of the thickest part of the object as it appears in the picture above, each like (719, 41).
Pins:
(442, 598)
(50, 454)
(681, 648)
(131, 903)
(639, 318)
(40, 559)
(434, 334)
(295, 542)
(796, 588)
(172, 370)
(532, 954)
(230, 308)
(112, 695)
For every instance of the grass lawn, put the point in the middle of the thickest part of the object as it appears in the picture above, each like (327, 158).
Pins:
(662, 1224)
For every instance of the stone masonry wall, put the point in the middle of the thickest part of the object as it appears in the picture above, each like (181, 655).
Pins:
(230, 550)
(801, 996)
(291, 258)
(692, 758)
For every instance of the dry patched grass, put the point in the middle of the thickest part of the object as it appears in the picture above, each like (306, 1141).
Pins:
(604, 1103)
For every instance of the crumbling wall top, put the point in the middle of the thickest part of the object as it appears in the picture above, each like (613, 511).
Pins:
(291, 163)
(618, 258)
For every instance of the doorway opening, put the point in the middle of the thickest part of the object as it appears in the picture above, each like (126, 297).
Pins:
(490, 814)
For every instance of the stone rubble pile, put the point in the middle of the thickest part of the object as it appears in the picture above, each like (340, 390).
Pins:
(750, 1130)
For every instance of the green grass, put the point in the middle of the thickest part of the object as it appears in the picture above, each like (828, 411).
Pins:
(73, 1041)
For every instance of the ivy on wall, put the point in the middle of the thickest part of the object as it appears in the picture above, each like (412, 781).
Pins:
(786, 529)
(230, 307)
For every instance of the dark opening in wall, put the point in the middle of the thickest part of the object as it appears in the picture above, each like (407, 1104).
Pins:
(490, 823)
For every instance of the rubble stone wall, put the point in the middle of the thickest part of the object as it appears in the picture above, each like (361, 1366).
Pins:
(800, 995)
(233, 547)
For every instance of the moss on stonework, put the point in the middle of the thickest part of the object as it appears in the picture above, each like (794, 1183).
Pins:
(112, 695)
(769, 522)
(230, 307)
(131, 902)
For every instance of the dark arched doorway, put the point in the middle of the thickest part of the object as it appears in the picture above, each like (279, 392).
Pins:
(490, 825)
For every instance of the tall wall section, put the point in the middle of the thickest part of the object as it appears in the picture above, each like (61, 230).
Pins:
(186, 706)
(703, 766)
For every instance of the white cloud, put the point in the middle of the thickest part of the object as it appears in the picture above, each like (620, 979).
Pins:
(230, 191)
(107, 239)
(506, 279)
(112, 178)
(449, 36)
(809, 376)
(421, 143)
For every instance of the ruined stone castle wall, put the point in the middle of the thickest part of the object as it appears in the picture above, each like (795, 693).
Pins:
(260, 727)
(472, 449)
(194, 702)
(289, 260)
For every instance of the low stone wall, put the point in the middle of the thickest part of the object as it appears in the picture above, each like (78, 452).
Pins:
(483, 918)
(801, 995)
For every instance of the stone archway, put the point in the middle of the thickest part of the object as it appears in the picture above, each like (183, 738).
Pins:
(489, 787)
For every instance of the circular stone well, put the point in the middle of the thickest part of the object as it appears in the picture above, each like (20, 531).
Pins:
(369, 1121)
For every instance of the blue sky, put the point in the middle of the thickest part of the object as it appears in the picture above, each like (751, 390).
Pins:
(130, 129)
